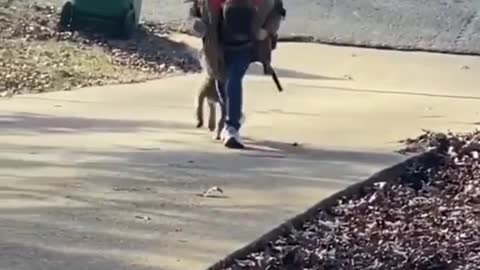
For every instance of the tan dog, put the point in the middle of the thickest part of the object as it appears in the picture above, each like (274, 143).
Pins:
(208, 90)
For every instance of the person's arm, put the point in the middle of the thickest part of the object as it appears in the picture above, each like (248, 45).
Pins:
(197, 26)
(272, 23)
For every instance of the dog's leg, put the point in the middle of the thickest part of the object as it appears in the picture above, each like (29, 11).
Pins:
(201, 95)
(199, 109)
(213, 116)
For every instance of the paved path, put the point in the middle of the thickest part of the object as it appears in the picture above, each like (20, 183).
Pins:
(444, 25)
(106, 178)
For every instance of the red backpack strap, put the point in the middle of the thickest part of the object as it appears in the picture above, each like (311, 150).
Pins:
(257, 2)
(218, 4)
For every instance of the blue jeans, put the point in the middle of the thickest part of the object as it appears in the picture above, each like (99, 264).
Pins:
(231, 92)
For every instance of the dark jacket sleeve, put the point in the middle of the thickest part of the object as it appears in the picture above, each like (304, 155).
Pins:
(194, 10)
(195, 24)
(272, 24)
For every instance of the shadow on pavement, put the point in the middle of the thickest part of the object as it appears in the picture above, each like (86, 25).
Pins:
(13, 256)
(257, 69)
(76, 208)
(385, 92)
(40, 123)
(150, 43)
(306, 152)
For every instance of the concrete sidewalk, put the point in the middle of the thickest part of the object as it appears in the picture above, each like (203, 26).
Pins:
(106, 178)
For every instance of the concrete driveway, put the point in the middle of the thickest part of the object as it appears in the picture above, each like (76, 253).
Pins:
(106, 178)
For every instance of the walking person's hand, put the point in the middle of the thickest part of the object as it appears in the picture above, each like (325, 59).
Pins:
(262, 34)
(199, 28)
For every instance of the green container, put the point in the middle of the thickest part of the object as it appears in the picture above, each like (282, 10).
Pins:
(123, 14)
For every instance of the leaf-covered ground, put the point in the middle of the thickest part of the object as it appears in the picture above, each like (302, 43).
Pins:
(36, 57)
(427, 219)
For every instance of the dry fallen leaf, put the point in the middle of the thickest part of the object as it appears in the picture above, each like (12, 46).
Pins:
(146, 218)
(213, 191)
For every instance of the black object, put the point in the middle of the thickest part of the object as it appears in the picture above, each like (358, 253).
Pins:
(66, 17)
(267, 69)
(120, 17)
(281, 9)
(277, 82)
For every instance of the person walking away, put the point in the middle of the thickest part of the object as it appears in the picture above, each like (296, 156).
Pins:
(232, 32)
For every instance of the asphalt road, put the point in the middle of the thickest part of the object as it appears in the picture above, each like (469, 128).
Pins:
(440, 25)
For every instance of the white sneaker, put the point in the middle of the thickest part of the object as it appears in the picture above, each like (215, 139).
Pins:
(231, 138)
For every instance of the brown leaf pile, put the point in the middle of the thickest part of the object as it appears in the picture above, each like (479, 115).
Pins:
(15, 75)
(32, 22)
(432, 140)
(23, 28)
(428, 219)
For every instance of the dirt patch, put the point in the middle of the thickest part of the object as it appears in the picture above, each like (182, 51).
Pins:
(36, 57)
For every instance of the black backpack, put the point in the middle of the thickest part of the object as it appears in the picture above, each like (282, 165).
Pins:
(236, 26)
